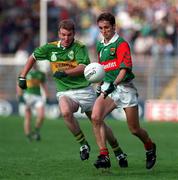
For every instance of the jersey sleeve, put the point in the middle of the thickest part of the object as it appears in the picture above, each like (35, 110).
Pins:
(124, 56)
(41, 53)
(82, 56)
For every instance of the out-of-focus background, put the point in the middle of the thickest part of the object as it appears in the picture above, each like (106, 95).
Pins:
(150, 27)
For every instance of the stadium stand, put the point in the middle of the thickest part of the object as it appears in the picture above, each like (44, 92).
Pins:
(150, 26)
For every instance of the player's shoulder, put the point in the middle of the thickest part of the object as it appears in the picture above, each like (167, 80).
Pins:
(79, 43)
(121, 40)
(53, 43)
(99, 45)
(48, 46)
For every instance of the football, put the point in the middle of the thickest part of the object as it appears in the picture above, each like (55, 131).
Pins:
(94, 72)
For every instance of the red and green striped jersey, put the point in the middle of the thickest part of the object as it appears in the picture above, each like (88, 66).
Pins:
(115, 56)
(34, 79)
(61, 59)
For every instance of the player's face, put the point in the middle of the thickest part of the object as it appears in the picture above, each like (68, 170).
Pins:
(106, 29)
(66, 37)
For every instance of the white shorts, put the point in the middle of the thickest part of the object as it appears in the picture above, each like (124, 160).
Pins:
(124, 96)
(33, 100)
(85, 97)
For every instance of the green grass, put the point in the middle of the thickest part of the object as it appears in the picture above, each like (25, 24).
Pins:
(57, 155)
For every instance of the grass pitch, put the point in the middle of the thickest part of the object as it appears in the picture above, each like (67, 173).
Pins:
(56, 157)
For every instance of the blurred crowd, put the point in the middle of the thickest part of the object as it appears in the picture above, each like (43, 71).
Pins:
(150, 26)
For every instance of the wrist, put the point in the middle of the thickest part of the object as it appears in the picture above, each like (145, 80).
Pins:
(22, 78)
(115, 85)
(22, 82)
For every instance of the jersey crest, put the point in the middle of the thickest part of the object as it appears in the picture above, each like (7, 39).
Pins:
(71, 55)
(112, 51)
(53, 56)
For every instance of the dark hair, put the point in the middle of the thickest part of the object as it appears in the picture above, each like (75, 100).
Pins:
(106, 16)
(67, 24)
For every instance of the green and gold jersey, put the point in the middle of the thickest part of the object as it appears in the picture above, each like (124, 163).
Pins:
(114, 56)
(34, 79)
(61, 59)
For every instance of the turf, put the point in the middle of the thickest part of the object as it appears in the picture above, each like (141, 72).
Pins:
(57, 155)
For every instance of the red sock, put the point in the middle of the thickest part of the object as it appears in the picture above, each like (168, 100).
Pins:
(104, 151)
(148, 145)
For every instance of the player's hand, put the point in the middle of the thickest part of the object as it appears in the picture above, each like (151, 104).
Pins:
(21, 99)
(110, 89)
(59, 74)
(22, 82)
(98, 90)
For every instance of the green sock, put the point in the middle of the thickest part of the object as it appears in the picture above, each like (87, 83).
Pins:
(80, 138)
(116, 149)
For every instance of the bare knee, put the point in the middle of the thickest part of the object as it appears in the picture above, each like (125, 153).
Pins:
(66, 114)
(96, 119)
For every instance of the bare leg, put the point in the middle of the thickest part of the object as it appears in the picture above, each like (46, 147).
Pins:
(133, 124)
(27, 121)
(39, 122)
(40, 116)
(67, 108)
(101, 131)
(109, 134)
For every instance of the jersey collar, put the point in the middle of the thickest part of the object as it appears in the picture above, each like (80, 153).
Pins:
(112, 40)
(59, 45)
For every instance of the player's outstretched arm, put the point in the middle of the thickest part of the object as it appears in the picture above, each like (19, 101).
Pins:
(22, 77)
(28, 66)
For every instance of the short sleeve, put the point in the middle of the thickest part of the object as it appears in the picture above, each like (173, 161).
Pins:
(41, 53)
(124, 55)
